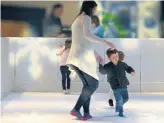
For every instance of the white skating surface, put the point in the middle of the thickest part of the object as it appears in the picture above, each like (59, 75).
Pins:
(55, 108)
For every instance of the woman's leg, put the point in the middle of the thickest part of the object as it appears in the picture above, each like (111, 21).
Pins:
(84, 97)
(63, 77)
(87, 103)
(86, 106)
(90, 84)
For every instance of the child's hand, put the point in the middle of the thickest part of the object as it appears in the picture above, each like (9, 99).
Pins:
(60, 51)
(132, 73)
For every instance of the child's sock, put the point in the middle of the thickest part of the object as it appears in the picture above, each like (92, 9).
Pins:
(111, 102)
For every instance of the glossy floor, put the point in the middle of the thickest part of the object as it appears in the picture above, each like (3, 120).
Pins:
(55, 108)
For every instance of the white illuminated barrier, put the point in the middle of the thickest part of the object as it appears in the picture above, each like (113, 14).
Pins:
(129, 44)
(34, 64)
(36, 48)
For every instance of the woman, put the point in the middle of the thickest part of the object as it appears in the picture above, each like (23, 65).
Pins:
(65, 72)
(82, 58)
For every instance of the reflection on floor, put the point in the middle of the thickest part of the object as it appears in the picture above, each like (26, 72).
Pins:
(54, 108)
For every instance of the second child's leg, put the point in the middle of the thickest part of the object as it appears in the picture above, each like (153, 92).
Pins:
(62, 69)
(68, 79)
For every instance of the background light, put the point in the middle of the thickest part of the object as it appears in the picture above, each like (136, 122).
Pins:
(129, 44)
(34, 48)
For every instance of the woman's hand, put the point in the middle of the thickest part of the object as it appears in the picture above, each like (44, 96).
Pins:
(100, 60)
(110, 44)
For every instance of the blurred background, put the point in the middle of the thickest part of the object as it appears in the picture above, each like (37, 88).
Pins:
(114, 19)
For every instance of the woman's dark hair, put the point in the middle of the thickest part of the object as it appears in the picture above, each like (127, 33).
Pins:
(68, 43)
(110, 52)
(87, 7)
(95, 20)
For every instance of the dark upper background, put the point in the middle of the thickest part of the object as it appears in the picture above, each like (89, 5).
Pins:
(26, 18)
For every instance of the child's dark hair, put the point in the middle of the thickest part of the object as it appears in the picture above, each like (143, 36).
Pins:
(68, 43)
(121, 55)
(109, 52)
(95, 20)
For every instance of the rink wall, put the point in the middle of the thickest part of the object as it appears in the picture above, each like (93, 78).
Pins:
(34, 65)
(6, 82)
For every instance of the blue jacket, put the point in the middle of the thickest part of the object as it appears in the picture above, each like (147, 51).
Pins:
(98, 31)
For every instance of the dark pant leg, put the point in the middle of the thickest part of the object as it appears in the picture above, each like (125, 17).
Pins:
(86, 106)
(68, 72)
(90, 84)
(85, 83)
(84, 97)
(63, 73)
(119, 100)
(93, 83)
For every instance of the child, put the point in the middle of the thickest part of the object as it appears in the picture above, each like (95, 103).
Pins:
(97, 28)
(116, 76)
(65, 72)
(121, 58)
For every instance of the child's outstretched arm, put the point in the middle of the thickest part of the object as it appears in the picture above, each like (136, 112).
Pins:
(129, 69)
(60, 51)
